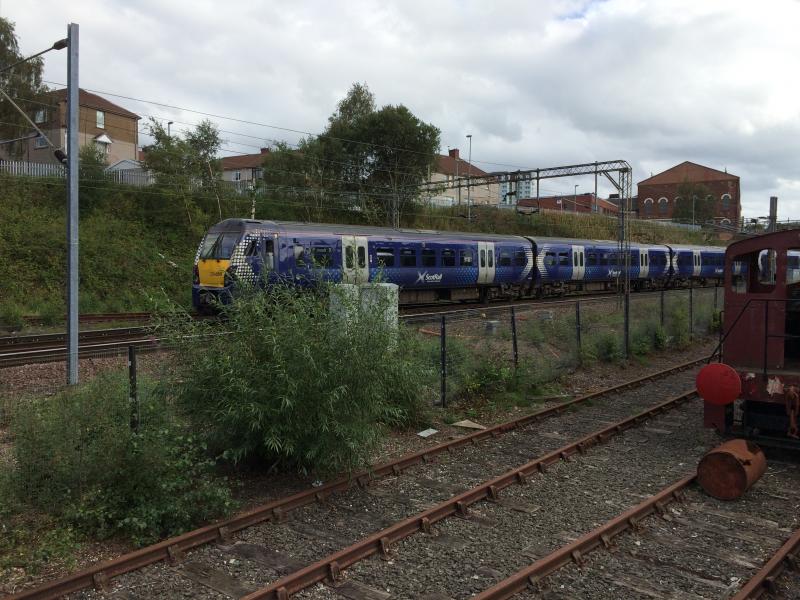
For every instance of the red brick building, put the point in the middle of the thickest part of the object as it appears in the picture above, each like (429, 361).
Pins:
(658, 194)
(583, 203)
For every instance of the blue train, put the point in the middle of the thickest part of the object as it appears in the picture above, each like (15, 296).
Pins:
(433, 266)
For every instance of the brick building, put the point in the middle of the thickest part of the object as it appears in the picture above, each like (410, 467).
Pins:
(582, 203)
(451, 167)
(246, 167)
(658, 194)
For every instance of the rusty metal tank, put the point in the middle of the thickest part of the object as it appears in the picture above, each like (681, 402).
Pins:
(729, 470)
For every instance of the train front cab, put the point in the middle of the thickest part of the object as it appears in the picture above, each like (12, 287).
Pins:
(761, 340)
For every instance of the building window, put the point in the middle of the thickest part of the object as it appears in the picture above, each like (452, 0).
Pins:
(101, 119)
(40, 142)
(663, 205)
(41, 116)
(726, 201)
(237, 175)
(648, 206)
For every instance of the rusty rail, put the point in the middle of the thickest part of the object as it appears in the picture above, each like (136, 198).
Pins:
(575, 551)
(765, 580)
(331, 566)
(98, 575)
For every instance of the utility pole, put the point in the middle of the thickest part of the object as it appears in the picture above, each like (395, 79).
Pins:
(575, 198)
(72, 201)
(469, 176)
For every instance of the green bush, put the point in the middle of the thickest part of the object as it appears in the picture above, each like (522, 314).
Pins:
(76, 457)
(678, 327)
(288, 384)
(608, 347)
(11, 315)
(660, 338)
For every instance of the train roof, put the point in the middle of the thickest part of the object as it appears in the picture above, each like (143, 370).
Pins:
(240, 225)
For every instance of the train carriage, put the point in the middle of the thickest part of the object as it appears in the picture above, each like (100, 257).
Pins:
(428, 266)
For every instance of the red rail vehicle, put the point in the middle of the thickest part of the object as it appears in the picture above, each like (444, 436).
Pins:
(754, 391)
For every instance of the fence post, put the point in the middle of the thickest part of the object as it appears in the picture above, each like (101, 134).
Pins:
(578, 328)
(133, 397)
(721, 332)
(443, 342)
(691, 311)
(716, 287)
(662, 307)
(514, 335)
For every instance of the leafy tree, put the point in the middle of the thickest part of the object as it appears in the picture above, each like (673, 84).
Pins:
(367, 158)
(23, 83)
(185, 164)
(695, 204)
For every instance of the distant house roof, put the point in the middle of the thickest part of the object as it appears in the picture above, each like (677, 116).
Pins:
(90, 100)
(244, 161)
(452, 164)
(570, 200)
(688, 171)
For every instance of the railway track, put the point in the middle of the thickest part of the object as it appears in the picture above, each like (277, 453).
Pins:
(98, 318)
(237, 556)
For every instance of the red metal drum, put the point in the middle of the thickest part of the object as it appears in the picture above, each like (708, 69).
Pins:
(729, 470)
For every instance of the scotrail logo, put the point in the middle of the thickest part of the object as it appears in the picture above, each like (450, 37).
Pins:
(428, 278)
(614, 272)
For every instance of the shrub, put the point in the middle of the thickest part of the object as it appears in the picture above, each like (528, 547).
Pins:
(608, 347)
(288, 384)
(76, 457)
(11, 315)
(660, 338)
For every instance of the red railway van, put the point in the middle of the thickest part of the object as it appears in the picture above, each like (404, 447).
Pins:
(760, 342)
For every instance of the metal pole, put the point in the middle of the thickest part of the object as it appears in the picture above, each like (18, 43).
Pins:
(721, 332)
(662, 308)
(72, 200)
(469, 176)
(133, 396)
(443, 342)
(691, 310)
(514, 336)
(766, 332)
(716, 287)
(578, 327)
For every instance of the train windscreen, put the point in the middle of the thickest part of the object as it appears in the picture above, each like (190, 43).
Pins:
(219, 246)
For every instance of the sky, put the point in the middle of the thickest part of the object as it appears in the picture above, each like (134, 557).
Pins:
(537, 83)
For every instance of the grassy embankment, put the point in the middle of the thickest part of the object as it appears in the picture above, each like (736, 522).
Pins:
(137, 244)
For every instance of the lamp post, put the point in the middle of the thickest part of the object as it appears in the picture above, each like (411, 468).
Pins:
(575, 197)
(169, 128)
(469, 176)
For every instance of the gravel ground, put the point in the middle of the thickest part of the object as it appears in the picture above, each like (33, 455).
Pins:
(702, 547)
(315, 531)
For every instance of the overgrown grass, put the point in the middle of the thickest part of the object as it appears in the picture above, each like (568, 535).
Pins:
(287, 383)
(77, 459)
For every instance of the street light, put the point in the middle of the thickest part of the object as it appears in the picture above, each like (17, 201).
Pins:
(469, 176)
(169, 128)
(59, 45)
(575, 197)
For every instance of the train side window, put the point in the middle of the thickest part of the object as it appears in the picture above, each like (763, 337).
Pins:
(563, 258)
(428, 257)
(385, 257)
(504, 260)
(581, 258)
(483, 259)
(549, 259)
(349, 257)
(574, 259)
(491, 258)
(467, 258)
(519, 258)
(362, 257)
(321, 256)
(591, 259)
(448, 258)
(299, 255)
(408, 257)
(269, 255)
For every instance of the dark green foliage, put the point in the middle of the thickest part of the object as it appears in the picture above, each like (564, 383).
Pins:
(77, 459)
(660, 338)
(608, 347)
(288, 384)
(695, 204)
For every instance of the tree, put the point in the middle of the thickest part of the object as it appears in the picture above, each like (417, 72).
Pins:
(183, 165)
(369, 158)
(23, 83)
(695, 204)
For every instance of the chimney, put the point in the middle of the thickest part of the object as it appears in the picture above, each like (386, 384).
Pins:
(453, 153)
(264, 150)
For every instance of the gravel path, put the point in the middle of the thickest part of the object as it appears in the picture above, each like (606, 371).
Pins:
(259, 555)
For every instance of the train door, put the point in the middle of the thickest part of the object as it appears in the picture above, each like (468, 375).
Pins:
(486, 264)
(644, 263)
(578, 262)
(355, 263)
